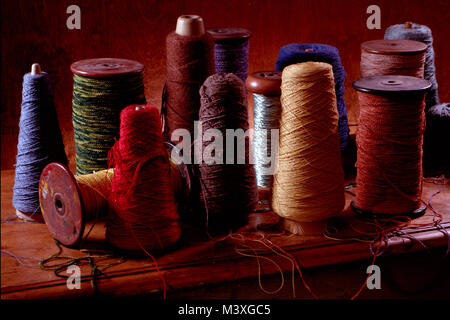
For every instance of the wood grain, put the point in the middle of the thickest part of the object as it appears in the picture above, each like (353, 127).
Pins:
(35, 31)
(196, 261)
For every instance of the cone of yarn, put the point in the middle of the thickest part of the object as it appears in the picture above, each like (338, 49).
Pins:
(228, 190)
(143, 212)
(303, 52)
(308, 186)
(40, 142)
(418, 32)
(190, 60)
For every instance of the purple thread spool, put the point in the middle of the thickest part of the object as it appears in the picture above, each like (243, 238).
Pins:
(231, 48)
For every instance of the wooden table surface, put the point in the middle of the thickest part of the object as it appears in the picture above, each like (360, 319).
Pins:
(196, 261)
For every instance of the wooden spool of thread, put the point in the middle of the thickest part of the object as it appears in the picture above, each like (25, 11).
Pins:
(389, 142)
(102, 88)
(308, 187)
(68, 202)
(189, 62)
(265, 87)
(40, 142)
(231, 47)
(393, 57)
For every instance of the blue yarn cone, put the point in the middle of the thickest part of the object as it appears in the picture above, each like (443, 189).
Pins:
(40, 141)
(295, 53)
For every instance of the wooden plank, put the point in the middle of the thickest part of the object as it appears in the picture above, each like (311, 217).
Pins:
(196, 260)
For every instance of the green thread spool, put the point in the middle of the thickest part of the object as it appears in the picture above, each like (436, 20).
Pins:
(101, 89)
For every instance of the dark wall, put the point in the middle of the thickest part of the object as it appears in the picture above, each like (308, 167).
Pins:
(35, 31)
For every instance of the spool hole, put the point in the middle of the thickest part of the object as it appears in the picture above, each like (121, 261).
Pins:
(59, 204)
(139, 108)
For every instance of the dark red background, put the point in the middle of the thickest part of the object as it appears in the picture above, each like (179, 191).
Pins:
(35, 31)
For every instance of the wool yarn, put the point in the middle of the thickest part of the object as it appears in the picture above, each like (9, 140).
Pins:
(101, 89)
(309, 184)
(228, 190)
(190, 60)
(422, 33)
(303, 52)
(389, 142)
(231, 49)
(40, 141)
(143, 213)
(392, 57)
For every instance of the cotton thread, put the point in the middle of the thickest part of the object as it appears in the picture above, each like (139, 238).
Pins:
(267, 110)
(423, 34)
(309, 183)
(303, 52)
(40, 141)
(228, 191)
(96, 105)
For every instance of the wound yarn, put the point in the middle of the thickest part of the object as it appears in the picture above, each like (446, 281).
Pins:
(303, 52)
(422, 33)
(309, 183)
(389, 145)
(40, 141)
(228, 190)
(190, 60)
(143, 213)
(101, 89)
(231, 49)
(392, 57)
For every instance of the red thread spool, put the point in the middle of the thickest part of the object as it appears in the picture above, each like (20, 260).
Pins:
(389, 141)
(143, 213)
(393, 57)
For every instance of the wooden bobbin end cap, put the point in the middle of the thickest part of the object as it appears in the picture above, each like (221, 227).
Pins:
(229, 34)
(106, 67)
(190, 25)
(27, 216)
(391, 84)
(61, 204)
(367, 214)
(264, 82)
(35, 69)
(304, 228)
(394, 47)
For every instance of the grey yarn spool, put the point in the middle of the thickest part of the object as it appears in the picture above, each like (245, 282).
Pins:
(417, 32)
(265, 88)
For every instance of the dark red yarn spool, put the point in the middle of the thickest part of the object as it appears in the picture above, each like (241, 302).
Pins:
(228, 191)
(389, 141)
(144, 213)
(190, 60)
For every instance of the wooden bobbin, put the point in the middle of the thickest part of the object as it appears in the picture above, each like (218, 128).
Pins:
(394, 47)
(62, 204)
(408, 25)
(267, 83)
(106, 67)
(29, 216)
(190, 25)
(389, 85)
(221, 35)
